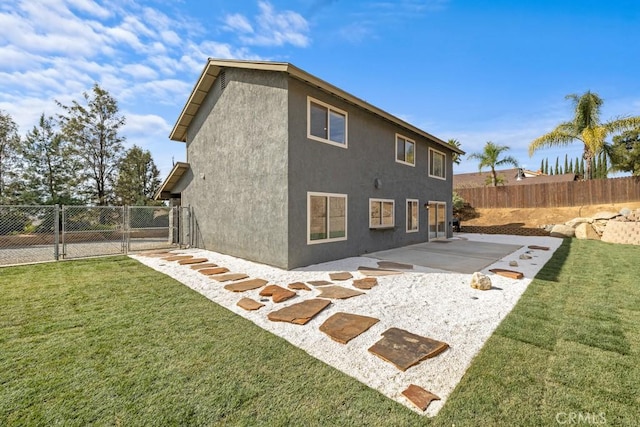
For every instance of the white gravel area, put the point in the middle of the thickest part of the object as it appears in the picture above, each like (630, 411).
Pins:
(432, 303)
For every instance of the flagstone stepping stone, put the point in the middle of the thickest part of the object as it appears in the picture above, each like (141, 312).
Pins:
(338, 292)
(511, 274)
(319, 283)
(177, 257)
(205, 265)
(404, 349)
(366, 283)
(246, 285)
(372, 271)
(249, 304)
(343, 327)
(298, 286)
(192, 261)
(157, 253)
(340, 276)
(299, 313)
(212, 271)
(540, 248)
(392, 265)
(277, 293)
(230, 277)
(419, 396)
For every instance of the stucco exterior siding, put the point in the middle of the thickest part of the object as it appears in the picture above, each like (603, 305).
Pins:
(319, 167)
(237, 151)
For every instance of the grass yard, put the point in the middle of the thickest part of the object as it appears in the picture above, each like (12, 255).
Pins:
(112, 342)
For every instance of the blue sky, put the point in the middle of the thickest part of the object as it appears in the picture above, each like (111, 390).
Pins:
(474, 71)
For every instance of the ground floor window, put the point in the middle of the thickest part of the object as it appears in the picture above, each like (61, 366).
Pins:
(326, 217)
(412, 215)
(381, 213)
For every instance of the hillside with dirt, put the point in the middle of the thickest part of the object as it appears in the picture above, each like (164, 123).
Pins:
(530, 220)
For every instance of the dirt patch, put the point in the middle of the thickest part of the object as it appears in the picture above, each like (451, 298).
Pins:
(534, 218)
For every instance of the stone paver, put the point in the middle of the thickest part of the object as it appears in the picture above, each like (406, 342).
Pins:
(192, 261)
(419, 396)
(319, 283)
(246, 285)
(205, 265)
(366, 283)
(277, 293)
(340, 276)
(404, 349)
(298, 286)
(392, 265)
(372, 271)
(511, 274)
(177, 257)
(212, 271)
(338, 292)
(343, 327)
(299, 313)
(249, 304)
(230, 277)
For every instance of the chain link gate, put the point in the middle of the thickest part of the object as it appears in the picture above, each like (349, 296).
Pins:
(30, 234)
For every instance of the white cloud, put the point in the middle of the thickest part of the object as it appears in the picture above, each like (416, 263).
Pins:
(239, 23)
(273, 28)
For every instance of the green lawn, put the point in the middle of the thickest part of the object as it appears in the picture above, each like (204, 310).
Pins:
(111, 342)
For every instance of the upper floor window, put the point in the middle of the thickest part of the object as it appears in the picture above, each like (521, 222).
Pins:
(405, 150)
(326, 123)
(437, 164)
(381, 213)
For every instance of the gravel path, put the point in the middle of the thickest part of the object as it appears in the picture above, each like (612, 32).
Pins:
(423, 301)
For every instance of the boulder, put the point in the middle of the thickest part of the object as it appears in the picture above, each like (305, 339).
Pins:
(480, 281)
(562, 230)
(585, 231)
(605, 215)
(577, 221)
(599, 225)
(625, 211)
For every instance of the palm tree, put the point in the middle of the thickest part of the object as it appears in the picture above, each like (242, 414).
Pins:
(490, 157)
(585, 127)
(455, 156)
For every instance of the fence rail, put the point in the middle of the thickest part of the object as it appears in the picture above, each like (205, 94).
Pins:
(557, 194)
(31, 234)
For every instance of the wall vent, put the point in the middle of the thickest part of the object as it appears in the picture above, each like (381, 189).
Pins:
(223, 80)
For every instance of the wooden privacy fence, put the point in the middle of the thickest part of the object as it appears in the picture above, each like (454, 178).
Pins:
(556, 194)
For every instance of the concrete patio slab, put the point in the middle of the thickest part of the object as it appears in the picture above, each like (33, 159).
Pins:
(457, 255)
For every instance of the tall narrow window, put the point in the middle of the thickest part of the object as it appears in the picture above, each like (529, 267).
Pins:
(437, 164)
(326, 123)
(326, 217)
(412, 215)
(405, 150)
(381, 213)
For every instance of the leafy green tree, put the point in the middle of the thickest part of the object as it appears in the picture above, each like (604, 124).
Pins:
(138, 178)
(557, 169)
(585, 127)
(625, 152)
(566, 164)
(546, 166)
(9, 144)
(570, 168)
(581, 170)
(490, 157)
(92, 128)
(542, 166)
(49, 164)
(455, 156)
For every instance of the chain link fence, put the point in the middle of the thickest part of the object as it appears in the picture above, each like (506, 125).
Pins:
(30, 234)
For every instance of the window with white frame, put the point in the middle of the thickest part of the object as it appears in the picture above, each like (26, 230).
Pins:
(381, 213)
(412, 215)
(405, 150)
(326, 123)
(326, 217)
(437, 164)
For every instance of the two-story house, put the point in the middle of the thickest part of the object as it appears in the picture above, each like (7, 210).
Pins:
(286, 169)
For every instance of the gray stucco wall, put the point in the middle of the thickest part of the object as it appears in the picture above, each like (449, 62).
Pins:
(237, 151)
(319, 167)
